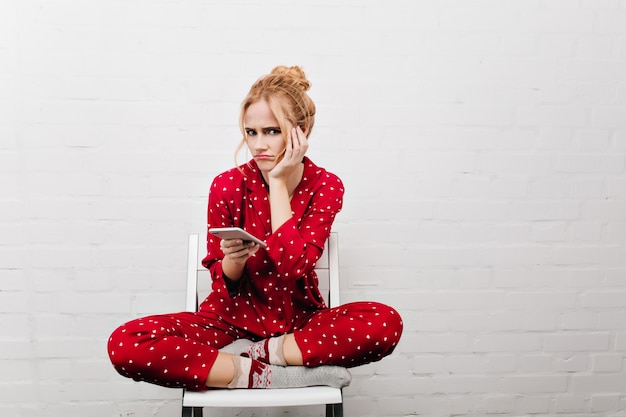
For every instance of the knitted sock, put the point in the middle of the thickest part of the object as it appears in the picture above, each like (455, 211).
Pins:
(268, 351)
(250, 373)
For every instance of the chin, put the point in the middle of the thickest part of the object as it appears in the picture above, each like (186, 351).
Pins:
(265, 166)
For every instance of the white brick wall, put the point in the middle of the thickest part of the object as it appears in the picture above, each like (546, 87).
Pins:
(483, 148)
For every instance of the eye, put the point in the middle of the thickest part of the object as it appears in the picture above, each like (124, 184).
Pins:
(250, 132)
(272, 131)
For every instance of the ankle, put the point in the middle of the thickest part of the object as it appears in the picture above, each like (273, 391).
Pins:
(291, 351)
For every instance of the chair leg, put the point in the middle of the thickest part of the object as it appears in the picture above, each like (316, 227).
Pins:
(334, 410)
(192, 411)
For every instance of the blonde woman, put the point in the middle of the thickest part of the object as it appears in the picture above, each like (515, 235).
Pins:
(265, 324)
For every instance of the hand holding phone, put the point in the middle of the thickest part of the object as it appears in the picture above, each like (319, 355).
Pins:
(236, 233)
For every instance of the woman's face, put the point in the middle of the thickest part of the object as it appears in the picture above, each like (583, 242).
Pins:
(263, 135)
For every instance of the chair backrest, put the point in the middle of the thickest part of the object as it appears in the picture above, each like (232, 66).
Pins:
(327, 269)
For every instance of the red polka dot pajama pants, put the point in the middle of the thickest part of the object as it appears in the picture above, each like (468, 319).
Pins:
(178, 350)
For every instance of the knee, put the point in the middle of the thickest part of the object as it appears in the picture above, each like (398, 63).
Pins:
(125, 345)
(388, 324)
(115, 347)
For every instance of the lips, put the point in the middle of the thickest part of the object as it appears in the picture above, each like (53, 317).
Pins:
(263, 157)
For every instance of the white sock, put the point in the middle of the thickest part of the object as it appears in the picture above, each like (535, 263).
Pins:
(268, 351)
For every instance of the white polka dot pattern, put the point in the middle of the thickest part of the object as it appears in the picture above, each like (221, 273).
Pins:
(278, 294)
(279, 284)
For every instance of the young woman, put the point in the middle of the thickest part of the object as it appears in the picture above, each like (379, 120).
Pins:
(265, 324)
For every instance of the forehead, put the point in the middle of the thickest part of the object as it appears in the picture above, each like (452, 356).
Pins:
(260, 114)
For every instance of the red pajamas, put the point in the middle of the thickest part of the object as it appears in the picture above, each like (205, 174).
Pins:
(178, 350)
(277, 294)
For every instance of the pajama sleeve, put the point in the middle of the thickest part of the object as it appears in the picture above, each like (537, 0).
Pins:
(219, 215)
(295, 248)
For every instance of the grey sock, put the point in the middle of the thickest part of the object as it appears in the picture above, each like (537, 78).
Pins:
(250, 373)
(300, 376)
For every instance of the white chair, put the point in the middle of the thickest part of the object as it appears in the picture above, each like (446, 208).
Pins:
(193, 403)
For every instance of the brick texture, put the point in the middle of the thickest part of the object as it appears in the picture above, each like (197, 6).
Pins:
(483, 149)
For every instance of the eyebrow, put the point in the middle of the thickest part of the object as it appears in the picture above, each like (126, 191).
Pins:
(263, 128)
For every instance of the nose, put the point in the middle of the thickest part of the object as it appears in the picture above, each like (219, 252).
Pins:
(259, 142)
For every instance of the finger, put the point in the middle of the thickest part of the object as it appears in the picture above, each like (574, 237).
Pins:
(234, 251)
(293, 137)
(303, 143)
(298, 135)
(238, 260)
(238, 246)
(238, 256)
(229, 243)
(244, 253)
(296, 144)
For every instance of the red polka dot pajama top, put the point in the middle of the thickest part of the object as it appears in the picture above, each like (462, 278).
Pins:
(277, 294)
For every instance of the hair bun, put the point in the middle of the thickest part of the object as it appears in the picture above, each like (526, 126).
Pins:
(294, 73)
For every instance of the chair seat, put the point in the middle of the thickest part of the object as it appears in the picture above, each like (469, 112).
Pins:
(263, 397)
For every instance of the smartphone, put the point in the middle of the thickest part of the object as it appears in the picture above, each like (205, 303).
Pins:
(235, 233)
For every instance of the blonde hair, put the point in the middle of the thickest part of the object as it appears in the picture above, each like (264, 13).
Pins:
(284, 89)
